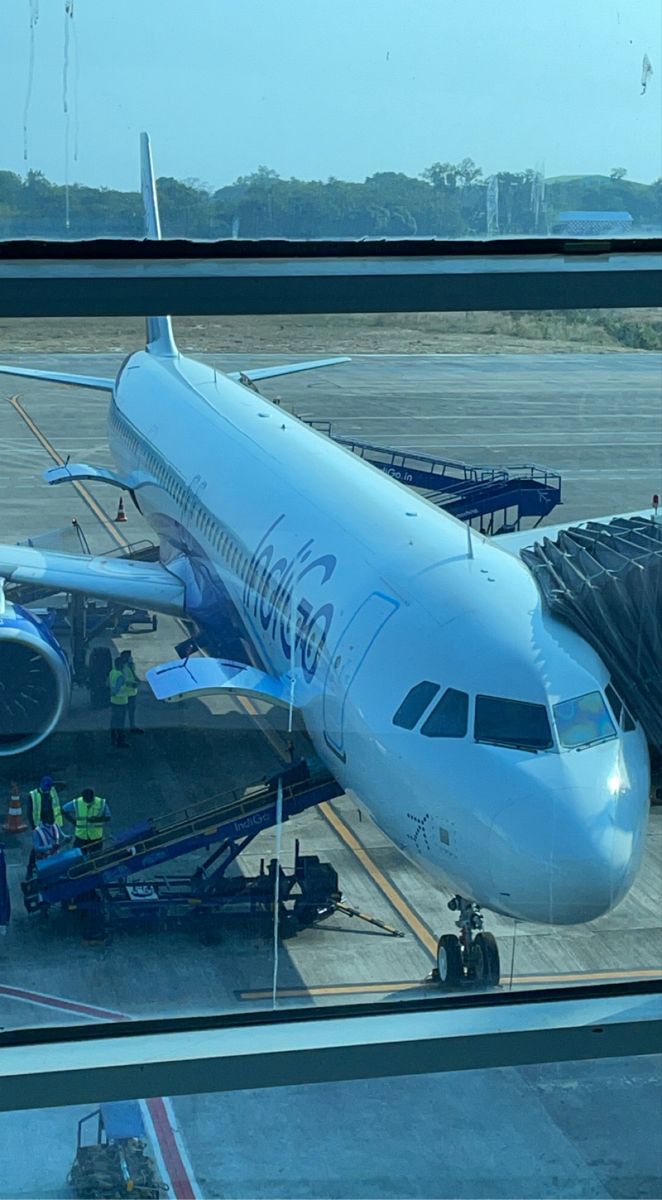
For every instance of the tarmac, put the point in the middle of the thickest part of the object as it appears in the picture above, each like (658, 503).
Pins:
(578, 1130)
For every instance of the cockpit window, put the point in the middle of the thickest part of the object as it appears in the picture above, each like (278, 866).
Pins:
(619, 710)
(512, 723)
(448, 718)
(584, 720)
(415, 703)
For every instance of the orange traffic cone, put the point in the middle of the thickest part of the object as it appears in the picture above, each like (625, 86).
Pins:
(14, 822)
(121, 515)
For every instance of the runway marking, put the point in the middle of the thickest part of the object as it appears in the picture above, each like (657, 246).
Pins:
(172, 1153)
(408, 985)
(173, 1159)
(44, 1000)
(87, 497)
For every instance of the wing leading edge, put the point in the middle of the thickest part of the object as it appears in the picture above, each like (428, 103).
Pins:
(107, 385)
(137, 584)
(257, 373)
(88, 381)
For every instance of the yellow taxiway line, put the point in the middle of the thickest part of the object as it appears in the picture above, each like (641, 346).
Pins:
(369, 989)
(388, 889)
(99, 512)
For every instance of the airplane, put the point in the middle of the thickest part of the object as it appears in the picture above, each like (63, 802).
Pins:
(483, 735)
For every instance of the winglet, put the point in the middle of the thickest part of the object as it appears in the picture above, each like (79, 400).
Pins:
(160, 338)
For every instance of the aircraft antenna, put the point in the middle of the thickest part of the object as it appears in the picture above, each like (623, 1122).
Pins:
(646, 72)
(470, 545)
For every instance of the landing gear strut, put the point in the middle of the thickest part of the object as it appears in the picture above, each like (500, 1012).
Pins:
(473, 956)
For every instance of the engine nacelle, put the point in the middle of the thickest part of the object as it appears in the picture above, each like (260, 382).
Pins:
(35, 680)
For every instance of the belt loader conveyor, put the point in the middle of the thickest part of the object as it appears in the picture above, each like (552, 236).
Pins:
(98, 880)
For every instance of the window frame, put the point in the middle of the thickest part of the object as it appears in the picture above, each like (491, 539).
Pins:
(51, 1066)
(47, 1067)
(117, 277)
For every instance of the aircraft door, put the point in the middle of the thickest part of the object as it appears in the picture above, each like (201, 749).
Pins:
(347, 656)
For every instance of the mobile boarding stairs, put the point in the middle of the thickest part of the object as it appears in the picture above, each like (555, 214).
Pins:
(493, 499)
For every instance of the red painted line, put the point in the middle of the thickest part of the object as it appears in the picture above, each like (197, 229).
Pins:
(86, 1010)
(181, 1183)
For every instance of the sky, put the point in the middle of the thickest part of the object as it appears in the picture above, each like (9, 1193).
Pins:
(319, 88)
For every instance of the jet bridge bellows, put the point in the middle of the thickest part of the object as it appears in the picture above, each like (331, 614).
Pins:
(495, 498)
(605, 580)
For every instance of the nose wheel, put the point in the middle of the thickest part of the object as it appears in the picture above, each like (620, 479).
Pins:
(472, 957)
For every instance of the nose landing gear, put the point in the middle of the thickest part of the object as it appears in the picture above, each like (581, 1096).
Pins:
(473, 956)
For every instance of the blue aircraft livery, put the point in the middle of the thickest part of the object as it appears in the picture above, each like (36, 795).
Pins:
(273, 580)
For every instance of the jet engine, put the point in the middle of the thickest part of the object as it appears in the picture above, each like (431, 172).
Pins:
(35, 680)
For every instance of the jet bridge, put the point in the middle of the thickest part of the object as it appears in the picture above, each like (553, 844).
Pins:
(605, 580)
(495, 497)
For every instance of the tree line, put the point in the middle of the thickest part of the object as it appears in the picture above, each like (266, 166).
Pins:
(448, 200)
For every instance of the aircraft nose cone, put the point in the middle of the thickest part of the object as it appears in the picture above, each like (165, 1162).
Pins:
(567, 858)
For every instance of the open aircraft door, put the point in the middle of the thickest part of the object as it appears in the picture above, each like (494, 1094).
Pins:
(348, 654)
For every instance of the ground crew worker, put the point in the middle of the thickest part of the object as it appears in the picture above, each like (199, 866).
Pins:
(131, 682)
(44, 805)
(88, 814)
(119, 703)
(47, 839)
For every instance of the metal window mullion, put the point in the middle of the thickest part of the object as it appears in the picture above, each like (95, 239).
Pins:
(287, 1053)
(254, 286)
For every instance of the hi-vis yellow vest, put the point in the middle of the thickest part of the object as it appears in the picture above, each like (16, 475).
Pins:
(86, 814)
(130, 680)
(35, 797)
(119, 696)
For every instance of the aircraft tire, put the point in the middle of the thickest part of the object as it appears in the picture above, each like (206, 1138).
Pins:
(485, 967)
(449, 961)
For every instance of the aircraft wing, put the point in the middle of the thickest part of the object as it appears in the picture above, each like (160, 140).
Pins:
(120, 580)
(254, 375)
(527, 538)
(90, 381)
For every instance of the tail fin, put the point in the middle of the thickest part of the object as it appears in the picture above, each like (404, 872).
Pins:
(160, 338)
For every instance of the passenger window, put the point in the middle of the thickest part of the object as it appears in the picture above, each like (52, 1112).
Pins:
(415, 703)
(449, 716)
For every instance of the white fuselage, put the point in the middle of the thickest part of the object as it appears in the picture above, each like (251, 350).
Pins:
(328, 569)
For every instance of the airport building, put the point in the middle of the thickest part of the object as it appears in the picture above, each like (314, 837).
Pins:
(594, 224)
